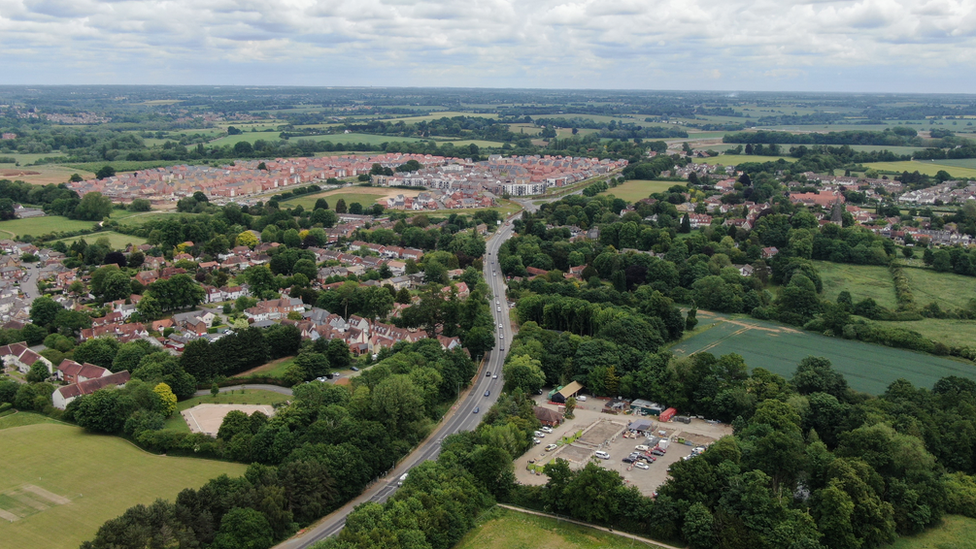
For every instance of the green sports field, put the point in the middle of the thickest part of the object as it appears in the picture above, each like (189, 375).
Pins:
(778, 348)
(636, 189)
(59, 483)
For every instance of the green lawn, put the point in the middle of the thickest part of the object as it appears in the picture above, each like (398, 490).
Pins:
(778, 348)
(37, 226)
(636, 189)
(862, 281)
(955, 532)
(949, 290)
(505, 529)
(116, 240)
(237, 396)
(930, 168)
(102, 476)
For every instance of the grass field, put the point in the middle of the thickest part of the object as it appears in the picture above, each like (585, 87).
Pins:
(366, 138)
(21, 419)
(100, 476)
(955, 532)
(930, 168)
(958, 162)
(116, 240)
(949, 290)
(777, 348)
(141, 218)
(505, 529)
(636, 189)
(36, 226)
(956, 333)
(364, 195)
(275, 368)
(733, 159)
(42, 175)
(27, 158)
(237, 396)
(862, 281)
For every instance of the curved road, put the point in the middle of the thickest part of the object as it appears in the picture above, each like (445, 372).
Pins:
(465, 415)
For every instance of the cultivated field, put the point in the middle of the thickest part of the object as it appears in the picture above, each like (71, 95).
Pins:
(778, 348)
(36, 226)
(366, 196)
(67, 482)
(636, 189)
(955, 532)
(505, 529)
(930, 168)
(41, 175)
(862, 281)
(237, 396)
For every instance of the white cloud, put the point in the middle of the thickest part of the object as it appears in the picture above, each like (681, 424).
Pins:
(714, 44)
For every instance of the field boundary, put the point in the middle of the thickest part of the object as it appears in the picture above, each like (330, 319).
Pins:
(587, 525)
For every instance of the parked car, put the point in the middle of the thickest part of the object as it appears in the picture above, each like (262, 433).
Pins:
(629, 459)
(546, 429)
(551, 447)
(539, 434)
(657, 452)
(355, 369)
(602, 455)
(642, 465)
(641, 448)
(581, 398)
(537, 441)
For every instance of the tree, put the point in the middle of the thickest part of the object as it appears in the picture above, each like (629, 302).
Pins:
(214, 390)
(104, 172)
(99, 351)
(570, 408)
(525, 373)
(116, 286)
(685, 224)
(338, 354)
(44, 310)
(38, 372)
(149, 308)
(93, 207)
(166, 399)
(340, 206)
(104, 410)
(244, 528)
(698, 527)
(70, 323)
(248, 239)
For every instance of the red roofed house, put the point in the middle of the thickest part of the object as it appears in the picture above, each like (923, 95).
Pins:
(64, 395)
(22, 358)
(72, 372)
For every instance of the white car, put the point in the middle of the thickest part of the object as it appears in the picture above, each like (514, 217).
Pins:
(602, 455)
(551, 447)
(581, 398)
(641, 465)
(539, 434)
(500, 326)
(536, 441)
(494, 376)
(546, 429)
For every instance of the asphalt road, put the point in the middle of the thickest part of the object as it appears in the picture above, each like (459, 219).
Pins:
(465, 415)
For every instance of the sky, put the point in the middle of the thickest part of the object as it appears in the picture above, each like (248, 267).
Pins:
(763, 45)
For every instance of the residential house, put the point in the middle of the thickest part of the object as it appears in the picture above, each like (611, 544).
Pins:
(21, 357)
(64, 395)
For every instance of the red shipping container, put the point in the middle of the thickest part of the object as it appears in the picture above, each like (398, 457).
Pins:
(667, 414)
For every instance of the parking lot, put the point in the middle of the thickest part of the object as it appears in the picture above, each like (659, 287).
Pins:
(606, 432)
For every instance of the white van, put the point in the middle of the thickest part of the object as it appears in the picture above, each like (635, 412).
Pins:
(403, 477)
(602, 455)
(641, 448)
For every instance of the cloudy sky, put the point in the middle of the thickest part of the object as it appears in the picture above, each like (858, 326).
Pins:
(818, 45)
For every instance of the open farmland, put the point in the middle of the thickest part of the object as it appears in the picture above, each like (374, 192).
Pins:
(862, 281)
(949, 290)
(36, 226)
(83, 480)
(364, 195)
(733, 159)
(929, 168)
(955, 532)
(41, 175)
(116, 240)
(778, 348)
(506, 529)
(636, 189)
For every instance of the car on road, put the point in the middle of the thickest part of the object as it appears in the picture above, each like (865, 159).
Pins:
(355, 369)
(642, 465)
(499, 309)
(496, 375)
(476, 410)
(501, 335)
(602, 455)
(551, 447)
(500, 326)
(488, 374)
(488, 392)
(403, 477)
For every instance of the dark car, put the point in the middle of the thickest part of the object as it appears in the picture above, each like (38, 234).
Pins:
(487, 374)
(657, 452)
(476, 410)
(488, 392)
(629, 459)
(355, 369)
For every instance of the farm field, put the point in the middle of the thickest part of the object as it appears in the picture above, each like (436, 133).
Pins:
(955, 532)
(733, 159)
(61, 508)
(949, 290)
(505, 529)
(249, 136)
(116, 240)
(958, 162)
(41, 175)
(366, 138)
(364, 195)
(862, 281)
(779, 348)
(27, 158)
(237, 396)
(952, 332)
(135, 219)
(636, 189)
(930, 168)
(36, 226)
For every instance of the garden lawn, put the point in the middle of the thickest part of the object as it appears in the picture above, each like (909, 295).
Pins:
(100, 475)
(636, 189)
(237, 396)
(505, 529)
(778, 348)
(955, 532)
(36, 226)
(862, 281)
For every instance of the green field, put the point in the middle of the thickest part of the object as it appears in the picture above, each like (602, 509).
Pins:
(929, 168)
(21, 419)
(958, 162)
(733, 159)
(366, 138)
(366, 196)
(117, 241)
(28, 158)
(777, 348)
(949, 290)
(100, 476)
(36, 226)
(136, 219)
(505, 529)
(952, 332)
(955, 532)
(862, 281)
(237, 396)
(636, 189)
